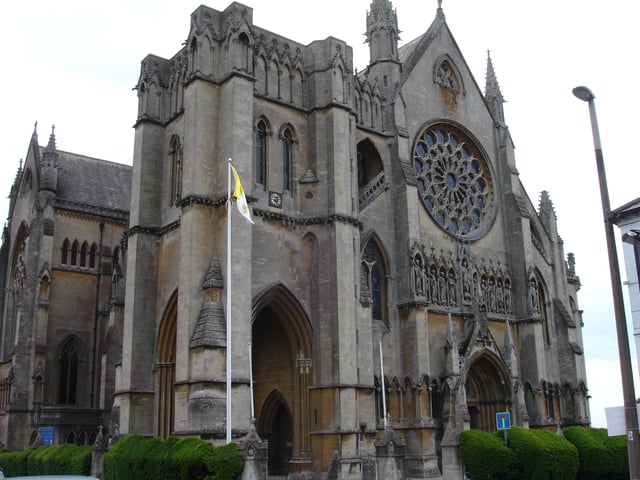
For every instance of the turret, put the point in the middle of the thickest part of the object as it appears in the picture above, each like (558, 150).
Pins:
(383, 36)
(382, 32)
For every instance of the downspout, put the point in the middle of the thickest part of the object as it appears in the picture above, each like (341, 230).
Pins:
(95, 317)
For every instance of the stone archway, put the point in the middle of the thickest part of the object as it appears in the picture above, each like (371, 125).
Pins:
(281, 343)
(276, 425)
(487, 391)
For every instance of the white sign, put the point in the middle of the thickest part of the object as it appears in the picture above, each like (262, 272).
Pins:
(615, 421)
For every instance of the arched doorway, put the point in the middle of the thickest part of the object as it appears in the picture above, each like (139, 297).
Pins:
(276, 426)
(165, 370)
(487, 391)
(281, 356)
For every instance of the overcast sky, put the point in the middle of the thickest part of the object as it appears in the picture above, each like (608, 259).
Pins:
(73, 63)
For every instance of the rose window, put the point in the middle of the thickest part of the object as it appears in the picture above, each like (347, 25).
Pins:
(454, 181)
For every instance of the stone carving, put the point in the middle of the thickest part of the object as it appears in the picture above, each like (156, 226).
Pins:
(437, 280)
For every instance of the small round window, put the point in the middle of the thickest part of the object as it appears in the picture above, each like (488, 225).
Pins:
(454, 181)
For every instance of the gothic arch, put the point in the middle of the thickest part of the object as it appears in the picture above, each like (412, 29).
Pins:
(539, 303)
(570, 407)
(445, 59)
(532, 403)
(288, 140)
(164, 369)
(374, 274)
(369, 163)
(175, 170)
(262, 132)
(276, 425)
(261, 75)
(282, 358)
(71, 361)
(297, 87)
(488, 390)
(338, 83)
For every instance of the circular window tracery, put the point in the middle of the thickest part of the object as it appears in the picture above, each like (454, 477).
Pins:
(454, 181)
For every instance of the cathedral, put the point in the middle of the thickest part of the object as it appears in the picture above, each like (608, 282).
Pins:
(397, 287)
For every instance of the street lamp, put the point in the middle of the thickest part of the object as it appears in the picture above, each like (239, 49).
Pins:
(630, 412)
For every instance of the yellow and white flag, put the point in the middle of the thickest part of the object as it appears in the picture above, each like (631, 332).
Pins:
(241, 200)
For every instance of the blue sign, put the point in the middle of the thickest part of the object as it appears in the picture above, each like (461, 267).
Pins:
(46, 433)
(503, 420)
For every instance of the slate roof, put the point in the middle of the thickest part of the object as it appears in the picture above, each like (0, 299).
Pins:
(93, 182)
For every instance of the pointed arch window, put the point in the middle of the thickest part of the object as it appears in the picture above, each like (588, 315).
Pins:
(546, 333)
(446, 77)
(83, 254)
(261, 153)
(68, 373)
(116, 257)
(373, 282)
(287, 160)
(74, 253)
(65, 252)
(92, 255)
(175, 157)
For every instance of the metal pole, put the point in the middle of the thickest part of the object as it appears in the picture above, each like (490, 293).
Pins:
(626, 372)
(251, 380)
(384, 398)
(229, 302)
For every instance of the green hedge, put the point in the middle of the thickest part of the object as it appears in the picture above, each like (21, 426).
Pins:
(14, 464)
(47, 460)
(485, 457)
(60, 459)
(542, 455)
(135, 456)
(601, 457)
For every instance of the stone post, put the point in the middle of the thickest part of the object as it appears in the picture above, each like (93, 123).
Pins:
(97, 453)
(255, 453)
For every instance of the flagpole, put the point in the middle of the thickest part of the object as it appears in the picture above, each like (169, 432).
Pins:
(251, 380)
(229, 301)
(384, 398)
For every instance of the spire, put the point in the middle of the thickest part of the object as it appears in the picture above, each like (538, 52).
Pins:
(546, 205)
(547, 214)
(50, 154)
(49, 165)
(492, 92)
(382, 31)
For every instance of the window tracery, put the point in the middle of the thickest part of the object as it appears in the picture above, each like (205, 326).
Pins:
(68, 373)
(287, 160)
(261, 153)
(454, 181)
(373, 282)
(175, 159)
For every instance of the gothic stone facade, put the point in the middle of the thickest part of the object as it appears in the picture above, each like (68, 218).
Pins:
(61, 268)
(392, 234)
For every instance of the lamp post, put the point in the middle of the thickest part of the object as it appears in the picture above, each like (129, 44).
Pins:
(630, 411)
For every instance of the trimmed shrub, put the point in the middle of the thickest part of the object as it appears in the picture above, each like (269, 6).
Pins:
(134, 456)
(60, 459)
(542, 455)
(485, 457)
(601, 457)
(224, 463)
(14, 464)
